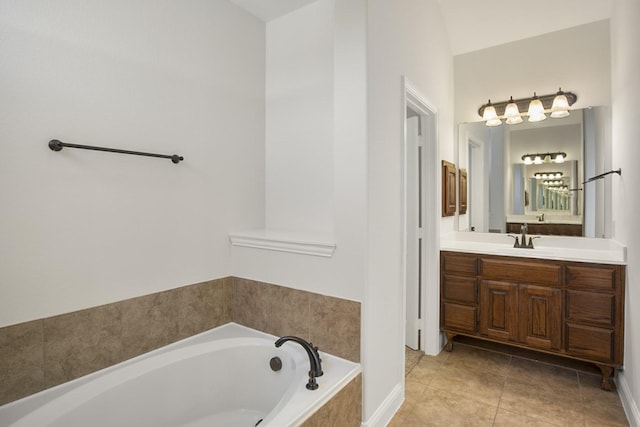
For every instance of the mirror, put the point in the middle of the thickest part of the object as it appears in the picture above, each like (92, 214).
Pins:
(504, 192)
(577, 59)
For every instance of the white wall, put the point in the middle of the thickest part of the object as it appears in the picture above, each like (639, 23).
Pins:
(626, 201)
(81, 228)
(321, 190)
(577, 59)
(404, 39)
(299, 119)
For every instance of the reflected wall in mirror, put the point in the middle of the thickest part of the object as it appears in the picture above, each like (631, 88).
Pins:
(550, 194)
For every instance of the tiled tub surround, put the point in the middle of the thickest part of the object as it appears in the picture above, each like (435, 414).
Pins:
(43, 353)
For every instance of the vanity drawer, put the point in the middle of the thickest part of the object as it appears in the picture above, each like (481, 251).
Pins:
(461, 318)
(534, 272)
(592, 307)
(591, 343)
(601, 278)
(460, 289)
(459, 264)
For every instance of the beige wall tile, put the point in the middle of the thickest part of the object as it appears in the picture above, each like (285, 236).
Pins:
(270, 308)
(335, 326)
(344, 409)
(149, 322)
(81, 342)
(203, 306)
(21, 360)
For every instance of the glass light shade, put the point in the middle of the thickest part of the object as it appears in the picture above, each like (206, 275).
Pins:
(528, 161)
(537, 160)
(536, 110)
(559, 157)
(511, 113)
(560, 107)
(489, 114)
(494, 122)
(559, 175)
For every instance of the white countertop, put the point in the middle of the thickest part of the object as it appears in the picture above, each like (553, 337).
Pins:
(581, 249)
(549, 219)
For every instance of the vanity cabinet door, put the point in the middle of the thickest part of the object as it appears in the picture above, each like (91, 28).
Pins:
(499, 310)
(540, 316)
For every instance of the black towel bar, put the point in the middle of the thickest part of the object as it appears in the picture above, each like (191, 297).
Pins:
(57, 145)
(602, 175)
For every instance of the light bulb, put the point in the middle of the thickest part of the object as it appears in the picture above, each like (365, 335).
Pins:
(527, 160)
(537, 160)
(559, 156)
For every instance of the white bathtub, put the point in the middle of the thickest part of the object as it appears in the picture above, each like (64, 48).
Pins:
(221, 377)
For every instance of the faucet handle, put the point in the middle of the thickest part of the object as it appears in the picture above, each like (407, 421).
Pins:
(516, 244)
(530, 245)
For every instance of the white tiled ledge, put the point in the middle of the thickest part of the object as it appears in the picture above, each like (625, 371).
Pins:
(581, 249)
(285, 241)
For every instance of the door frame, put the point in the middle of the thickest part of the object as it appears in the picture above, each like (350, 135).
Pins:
(432, 342)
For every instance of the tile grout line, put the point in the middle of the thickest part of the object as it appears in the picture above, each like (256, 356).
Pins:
(584, 418)
(504, 383)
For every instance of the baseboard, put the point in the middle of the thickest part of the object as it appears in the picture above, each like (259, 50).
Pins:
(629, 405)
(382, 416)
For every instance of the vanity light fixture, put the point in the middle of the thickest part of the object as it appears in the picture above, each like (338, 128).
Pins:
(547, 175)
(536, 108)
(539, 158)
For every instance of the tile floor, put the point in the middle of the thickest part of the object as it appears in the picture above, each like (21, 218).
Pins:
(474, 386)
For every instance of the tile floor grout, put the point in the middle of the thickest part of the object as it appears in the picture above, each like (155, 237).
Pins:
(432, 398)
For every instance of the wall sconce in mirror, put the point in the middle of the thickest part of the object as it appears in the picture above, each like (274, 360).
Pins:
(540, 158)
(536, 107)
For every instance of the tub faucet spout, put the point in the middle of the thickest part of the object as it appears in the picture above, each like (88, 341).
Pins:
(315, 363)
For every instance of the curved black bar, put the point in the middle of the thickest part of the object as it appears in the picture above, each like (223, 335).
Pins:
(315, 362)
(57, 145)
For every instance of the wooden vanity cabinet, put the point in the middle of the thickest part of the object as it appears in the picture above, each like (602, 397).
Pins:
(565, 308)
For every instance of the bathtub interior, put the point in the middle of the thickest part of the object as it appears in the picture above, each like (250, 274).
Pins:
(220, 377)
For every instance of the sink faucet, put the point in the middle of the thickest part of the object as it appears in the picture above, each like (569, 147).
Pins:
(315, 362)
(523, 244)
(541, 217)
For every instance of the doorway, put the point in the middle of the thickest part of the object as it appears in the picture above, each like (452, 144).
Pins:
(421, 225)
